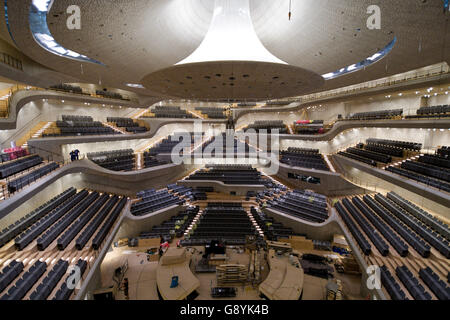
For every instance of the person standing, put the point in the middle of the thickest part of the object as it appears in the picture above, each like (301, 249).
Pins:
(72, 155)
(77, 154)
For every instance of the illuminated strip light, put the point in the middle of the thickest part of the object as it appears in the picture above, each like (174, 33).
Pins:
(7, 21)
(41, 33)
(365, 63)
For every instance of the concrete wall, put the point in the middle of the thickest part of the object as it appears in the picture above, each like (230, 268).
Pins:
(331, 184)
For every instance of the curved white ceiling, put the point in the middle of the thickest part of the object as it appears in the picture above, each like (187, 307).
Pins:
(136, 38)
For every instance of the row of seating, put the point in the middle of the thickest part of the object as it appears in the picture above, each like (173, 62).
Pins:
(376, 115)
(439, 243)
(166, 145)
(67, 88)
(104, 230)
(268, 125)
(170, 112)
(78, 124)
(303, 150)
(309, 127)
(396, 242)
(87, 233)
(437, 286)
(272, 229)
(248, 176)
(23, 181)
(306, 206)
(26, 221)
(64, 292)
(391, 285)
(69, 234)
(111, 95)
(15, 166)
(45, 288)
(379, 157)
(371, 233)
(358, 158)
(175, 226)
(431, 221)
(26, 282)
(427, 170)
(192, 194)
(9, 273)
(306, 160)
(221, 221)
(440, 109)
(435, 160)
(354, 230)
(444, 152)
(412, 284)
(151, 161)
(394, 152)
(212, 113)
(420, 178)
(396, 144)
(154, 201)
(396, 224)
(57, 228)
(116, 160)
(12, 154)
(27, 236)
(128, 124)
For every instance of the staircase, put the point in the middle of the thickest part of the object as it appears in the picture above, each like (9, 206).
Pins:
(34, 133)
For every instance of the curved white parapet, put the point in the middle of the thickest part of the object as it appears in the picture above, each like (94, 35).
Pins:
(20, 98)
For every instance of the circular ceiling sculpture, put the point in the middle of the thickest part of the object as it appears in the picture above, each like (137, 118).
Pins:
(233, 80)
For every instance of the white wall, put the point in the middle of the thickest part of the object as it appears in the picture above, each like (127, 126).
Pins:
(287, 117)
(51, 110)
(430, 138)
(409, 102)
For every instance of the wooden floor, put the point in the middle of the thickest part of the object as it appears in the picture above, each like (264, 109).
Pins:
(141, 276)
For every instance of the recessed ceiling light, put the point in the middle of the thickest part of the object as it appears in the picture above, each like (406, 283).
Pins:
(135, 85)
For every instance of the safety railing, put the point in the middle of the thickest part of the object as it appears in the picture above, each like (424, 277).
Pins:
(428, 72)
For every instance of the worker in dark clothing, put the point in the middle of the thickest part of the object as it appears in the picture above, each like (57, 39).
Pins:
(77, 154)
(72, 156)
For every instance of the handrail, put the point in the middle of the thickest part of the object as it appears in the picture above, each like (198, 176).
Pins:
(385, 82)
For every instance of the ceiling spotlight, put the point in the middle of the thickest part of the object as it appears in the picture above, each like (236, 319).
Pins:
(135, 85)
